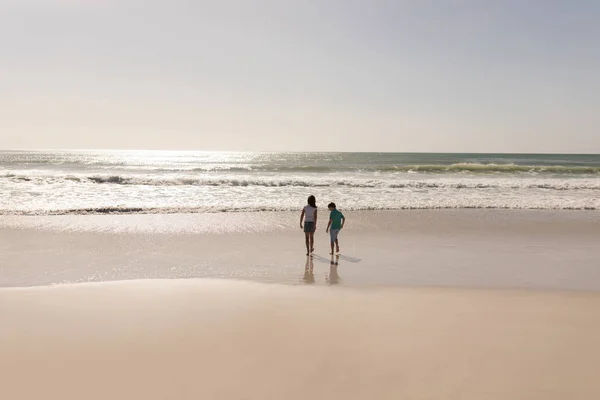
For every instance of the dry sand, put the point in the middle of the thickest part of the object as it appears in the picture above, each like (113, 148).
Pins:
(232, 340)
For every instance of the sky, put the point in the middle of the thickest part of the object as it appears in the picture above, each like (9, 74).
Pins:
(301, 75)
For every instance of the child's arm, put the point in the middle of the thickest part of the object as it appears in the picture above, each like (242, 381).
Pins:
(316, 219)
(328, 225)
(343, 221)
(301, 218)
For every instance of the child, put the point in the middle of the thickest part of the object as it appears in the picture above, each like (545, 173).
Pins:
(336, 222)
(309, 214)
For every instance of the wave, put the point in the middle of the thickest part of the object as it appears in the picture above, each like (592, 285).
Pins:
(528, 183)
(498, 168)
(199, 210)
(316, 168)
(416, 168)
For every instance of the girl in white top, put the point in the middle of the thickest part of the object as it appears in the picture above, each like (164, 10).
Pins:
(309, 215)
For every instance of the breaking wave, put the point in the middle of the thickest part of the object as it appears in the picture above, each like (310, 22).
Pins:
(431, 168)
(501, 168)
(529, 183)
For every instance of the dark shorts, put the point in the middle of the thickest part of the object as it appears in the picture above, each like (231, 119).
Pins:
(309, 227)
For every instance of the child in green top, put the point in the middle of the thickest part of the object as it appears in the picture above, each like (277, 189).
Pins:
(336, 223)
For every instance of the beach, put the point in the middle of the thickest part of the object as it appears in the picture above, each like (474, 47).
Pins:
(161, 275)
(232, 340)
(445, 304)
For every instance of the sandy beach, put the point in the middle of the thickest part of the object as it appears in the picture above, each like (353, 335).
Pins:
(464, 304)
(233, 340)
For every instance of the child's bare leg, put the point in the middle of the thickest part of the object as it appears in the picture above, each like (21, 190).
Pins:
(307, 236)
(312, 242)
(337, 245)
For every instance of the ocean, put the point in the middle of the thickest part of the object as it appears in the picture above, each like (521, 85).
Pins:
(99, 182)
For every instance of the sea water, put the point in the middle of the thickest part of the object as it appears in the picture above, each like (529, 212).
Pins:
(94, 182)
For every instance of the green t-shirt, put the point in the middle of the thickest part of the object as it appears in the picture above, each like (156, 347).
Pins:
(336, 219)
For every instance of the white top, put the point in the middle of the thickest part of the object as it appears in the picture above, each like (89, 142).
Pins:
(309, 214)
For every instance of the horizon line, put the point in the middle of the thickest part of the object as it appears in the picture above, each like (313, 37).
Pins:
(299, 152)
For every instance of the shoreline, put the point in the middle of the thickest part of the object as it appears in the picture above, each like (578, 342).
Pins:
(125, 210)
(494, 249)
(286, 220)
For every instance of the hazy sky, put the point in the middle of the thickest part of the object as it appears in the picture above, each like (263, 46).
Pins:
(347, 75)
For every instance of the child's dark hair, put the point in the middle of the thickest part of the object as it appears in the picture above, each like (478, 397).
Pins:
(331, 205)
(312, 201)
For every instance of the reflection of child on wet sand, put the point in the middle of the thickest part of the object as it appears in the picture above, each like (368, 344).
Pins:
(333, 278)
(336, 223)
(309, 275)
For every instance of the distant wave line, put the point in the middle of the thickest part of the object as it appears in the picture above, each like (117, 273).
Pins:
(283, 182)
(416, 168)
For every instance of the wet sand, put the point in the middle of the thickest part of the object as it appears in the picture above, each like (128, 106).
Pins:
(458, 248)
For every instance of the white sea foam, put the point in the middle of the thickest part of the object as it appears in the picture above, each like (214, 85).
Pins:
(97, 182)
